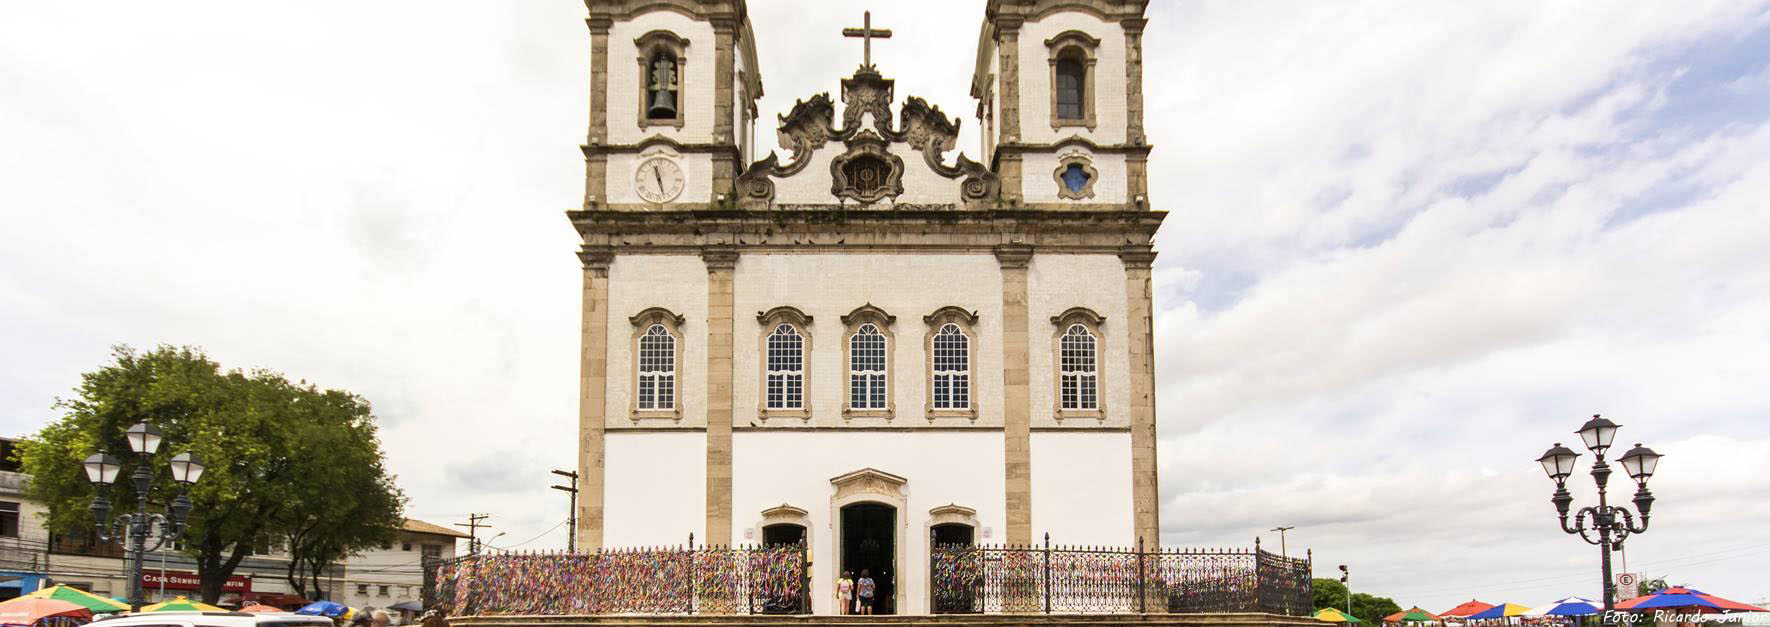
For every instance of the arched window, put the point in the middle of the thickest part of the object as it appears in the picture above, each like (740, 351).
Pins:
(952, 355)
(1072, 57)
(657, 369)
(952, 368)
(657, 360)
(1078, 388)
(867, 359)
(786, 368)
(866, 368)
(1072, 77)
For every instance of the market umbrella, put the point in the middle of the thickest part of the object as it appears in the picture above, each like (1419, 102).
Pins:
(1332, 615)
(1464, 610)
(181, 604)
(1570, 606)
(327, 609)
(1503, 610)
(79, 597)
(413, 606)
(260, 608)
(1687, 599)
(28, 610)
(1411, 615)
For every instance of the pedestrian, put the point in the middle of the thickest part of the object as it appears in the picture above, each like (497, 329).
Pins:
(380, 618)
(845, 593)
(864, 590)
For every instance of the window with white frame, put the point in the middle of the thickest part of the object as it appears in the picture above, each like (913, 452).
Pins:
(867, 368)
(657, 369)
(786, 368)
(1078, 386)
(952, 368)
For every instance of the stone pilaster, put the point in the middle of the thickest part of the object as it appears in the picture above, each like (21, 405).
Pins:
(1008, 71)
(721, 266)
(596, 162)
(1017, 394)
(1139, 296)
(1008, 176)
(1134, 80)
(724, 102)
(592, 396)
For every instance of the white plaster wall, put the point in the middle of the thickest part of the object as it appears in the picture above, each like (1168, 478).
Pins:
(771, 468)
(654, 488)
(1081, 488)
(1056, 283)
(829, 286)
(1035, 79)
(677, 283)
(625, 84)
(1041, 186)
(697, 175)
(920, 184)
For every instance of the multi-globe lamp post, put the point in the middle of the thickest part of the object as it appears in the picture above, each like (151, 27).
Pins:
(133, 528)
(1611, 524)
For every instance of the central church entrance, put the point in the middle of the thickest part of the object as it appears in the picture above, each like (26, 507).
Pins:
(869, 543)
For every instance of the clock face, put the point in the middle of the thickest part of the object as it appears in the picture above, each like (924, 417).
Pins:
(658, 180)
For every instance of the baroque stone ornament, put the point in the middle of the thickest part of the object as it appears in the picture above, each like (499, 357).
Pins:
(810, 125)
(868, 172)
(869, 482)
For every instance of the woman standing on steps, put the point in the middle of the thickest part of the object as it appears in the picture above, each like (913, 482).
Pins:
(845, 593)
(864, 590)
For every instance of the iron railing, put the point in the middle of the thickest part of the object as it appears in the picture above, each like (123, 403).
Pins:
(1075, 579)
(743, 579)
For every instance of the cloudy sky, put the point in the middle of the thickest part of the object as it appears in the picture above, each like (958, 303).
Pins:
(1410, 245)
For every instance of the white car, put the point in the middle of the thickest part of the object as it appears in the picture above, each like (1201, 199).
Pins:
(214, 619)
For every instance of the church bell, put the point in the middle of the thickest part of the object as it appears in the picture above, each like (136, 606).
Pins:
(663, 105)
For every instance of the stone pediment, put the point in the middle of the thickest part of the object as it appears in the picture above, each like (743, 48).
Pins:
(869, 481)
(871, 161)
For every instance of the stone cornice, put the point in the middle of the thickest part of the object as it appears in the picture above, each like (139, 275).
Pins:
(1111, 10)
(905, 231)
(591, 150)
(1023, 148)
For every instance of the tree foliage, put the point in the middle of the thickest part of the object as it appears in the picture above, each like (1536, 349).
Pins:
(1368, 608)
(279, 454)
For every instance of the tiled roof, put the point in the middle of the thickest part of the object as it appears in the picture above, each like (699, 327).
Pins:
(418, 526)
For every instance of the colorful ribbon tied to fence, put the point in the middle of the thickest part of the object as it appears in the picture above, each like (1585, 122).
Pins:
(708, 580)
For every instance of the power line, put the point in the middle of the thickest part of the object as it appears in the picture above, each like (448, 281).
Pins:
(537, 537)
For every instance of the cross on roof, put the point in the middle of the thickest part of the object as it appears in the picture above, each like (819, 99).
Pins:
(866, 33)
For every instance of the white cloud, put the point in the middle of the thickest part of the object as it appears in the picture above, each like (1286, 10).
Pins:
(1410, 244)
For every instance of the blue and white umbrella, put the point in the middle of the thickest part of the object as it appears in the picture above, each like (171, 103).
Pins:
(1570, 606)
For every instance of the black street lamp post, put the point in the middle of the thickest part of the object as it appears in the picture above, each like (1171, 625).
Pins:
(1612, 524)
(133, 528)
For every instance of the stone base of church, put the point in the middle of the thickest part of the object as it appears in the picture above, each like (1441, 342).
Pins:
(1001, 620)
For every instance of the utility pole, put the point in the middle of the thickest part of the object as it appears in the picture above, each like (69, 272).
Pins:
(571, 517)
(473, 525)
(1281, 547)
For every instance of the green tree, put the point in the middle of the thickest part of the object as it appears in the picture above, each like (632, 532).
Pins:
(1371, 609)
(275, 450)
(1650, 586)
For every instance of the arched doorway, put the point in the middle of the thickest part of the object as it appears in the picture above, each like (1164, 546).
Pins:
(869, 546)
(783, 533)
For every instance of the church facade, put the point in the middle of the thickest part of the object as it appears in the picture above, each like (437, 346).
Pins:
(869, 341)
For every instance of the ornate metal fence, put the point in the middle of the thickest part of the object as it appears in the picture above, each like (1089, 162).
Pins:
(694, 580)
(1073, 579)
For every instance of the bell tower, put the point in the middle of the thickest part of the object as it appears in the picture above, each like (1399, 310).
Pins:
(1059, 89)
(673, 91)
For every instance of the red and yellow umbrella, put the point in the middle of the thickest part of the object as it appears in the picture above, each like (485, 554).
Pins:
(29, 610)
